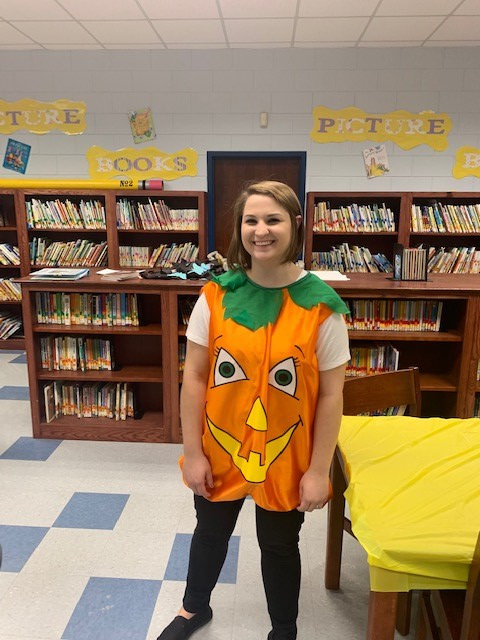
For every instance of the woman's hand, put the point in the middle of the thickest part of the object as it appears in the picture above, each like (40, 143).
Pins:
(197, 473)
(315, 491)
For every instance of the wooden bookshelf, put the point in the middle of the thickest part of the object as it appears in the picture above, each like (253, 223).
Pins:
(9, 235)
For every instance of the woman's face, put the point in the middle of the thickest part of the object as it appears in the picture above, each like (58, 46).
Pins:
(266, 229)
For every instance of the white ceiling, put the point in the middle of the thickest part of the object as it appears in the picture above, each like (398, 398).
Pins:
(216, 24)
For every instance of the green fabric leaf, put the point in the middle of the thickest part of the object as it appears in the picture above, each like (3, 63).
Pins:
(253, 306)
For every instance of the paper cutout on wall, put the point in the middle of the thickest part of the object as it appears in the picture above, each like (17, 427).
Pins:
(467, 163)
(141, 123)
(16, 156)
(376, 161)
(41, 117)
(404, 128)
(141, 163)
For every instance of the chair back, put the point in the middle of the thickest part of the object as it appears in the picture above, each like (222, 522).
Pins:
(381, 391)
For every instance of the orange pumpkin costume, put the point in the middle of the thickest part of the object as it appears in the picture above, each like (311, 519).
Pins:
(263, 386)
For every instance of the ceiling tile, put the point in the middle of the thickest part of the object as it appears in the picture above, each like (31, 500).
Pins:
(383, 45)
(184, 10)
(9, 35)
(329, 29)
(189, 31)
(416, 7)
(119, 31)
(60, 32)
(402, 28)
(95, 10)
(468, 8)
(32, 10)
(256, 9)
(339, 8)
(259, 45)
(260, 30)
(135, 46)
(459, 28)
(73, 47)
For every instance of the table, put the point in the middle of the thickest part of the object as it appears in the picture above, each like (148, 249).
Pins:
(414, 498)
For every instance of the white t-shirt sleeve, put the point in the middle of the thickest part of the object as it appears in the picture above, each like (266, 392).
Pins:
(332, 341)
(199, 323)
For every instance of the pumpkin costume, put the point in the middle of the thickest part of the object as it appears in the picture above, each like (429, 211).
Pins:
(263, 385)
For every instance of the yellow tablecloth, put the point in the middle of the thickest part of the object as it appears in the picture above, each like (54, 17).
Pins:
(414, 497)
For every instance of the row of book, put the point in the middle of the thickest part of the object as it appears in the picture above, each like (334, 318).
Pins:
(182, 352)
(372, 358)
(478, 371)
(114, 400)
(410, 263)
(9, 290)
(76, 353)
(59, 214)
(95, 309)
(163, 256)
(4, 220)
(353, 218)
(185, 308)
(344, 258)
(9, 324)
(454, 260)
(43, 251)
(155, 215)
(476, 411)
(449, 218)
(394, 315)
(9, 254)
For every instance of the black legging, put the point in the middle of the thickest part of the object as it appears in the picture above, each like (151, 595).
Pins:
(278, 535)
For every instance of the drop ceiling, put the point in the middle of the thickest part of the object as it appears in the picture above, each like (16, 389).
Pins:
(222, 24)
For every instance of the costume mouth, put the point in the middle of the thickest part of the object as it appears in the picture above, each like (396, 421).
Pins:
(252, 468)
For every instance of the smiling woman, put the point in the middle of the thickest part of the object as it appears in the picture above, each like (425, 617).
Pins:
(261, 404)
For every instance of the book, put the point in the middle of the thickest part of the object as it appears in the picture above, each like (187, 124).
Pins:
(57, 273)
(50, 409)
(115, 275)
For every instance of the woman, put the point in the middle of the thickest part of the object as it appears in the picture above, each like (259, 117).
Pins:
(261, 404)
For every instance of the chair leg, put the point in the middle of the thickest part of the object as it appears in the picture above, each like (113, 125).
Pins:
(404, 611)
(336, 510)
(382, 608)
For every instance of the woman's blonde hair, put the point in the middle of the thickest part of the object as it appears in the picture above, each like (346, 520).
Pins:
(285, 196)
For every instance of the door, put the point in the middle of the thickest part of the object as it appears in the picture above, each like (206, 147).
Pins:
(229, 171)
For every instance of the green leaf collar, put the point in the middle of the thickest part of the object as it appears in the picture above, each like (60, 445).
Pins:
(254, 306)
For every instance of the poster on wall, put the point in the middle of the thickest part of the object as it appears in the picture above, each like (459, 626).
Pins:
(142, 164)
(141, 123)
(376, 161)
(16, 156)
(405, 129)
(42, 117)
(467, 163)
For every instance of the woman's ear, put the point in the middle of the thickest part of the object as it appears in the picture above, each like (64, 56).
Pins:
(299, 220)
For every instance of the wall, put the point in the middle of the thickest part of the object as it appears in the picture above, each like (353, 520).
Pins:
(211, 100)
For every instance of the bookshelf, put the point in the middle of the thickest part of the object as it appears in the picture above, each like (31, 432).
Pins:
(85, 239)
(9, 235)
(147, 356)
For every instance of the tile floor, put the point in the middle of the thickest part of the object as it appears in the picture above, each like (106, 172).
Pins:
(95, 539)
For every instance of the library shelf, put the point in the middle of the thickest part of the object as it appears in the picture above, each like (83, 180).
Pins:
(127, 373)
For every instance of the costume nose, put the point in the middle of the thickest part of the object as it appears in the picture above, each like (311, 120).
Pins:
(257, 418)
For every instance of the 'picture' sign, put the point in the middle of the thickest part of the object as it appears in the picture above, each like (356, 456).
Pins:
(42, 117)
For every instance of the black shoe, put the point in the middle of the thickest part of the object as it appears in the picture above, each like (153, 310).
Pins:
(180, 628)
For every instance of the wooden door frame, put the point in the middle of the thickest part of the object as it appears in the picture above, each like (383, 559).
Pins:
(213, 155)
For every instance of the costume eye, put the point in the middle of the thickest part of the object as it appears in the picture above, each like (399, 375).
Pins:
(227, 369)
(283, 376)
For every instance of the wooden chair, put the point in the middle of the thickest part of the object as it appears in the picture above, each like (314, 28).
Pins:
(452, 614)
(364, 395)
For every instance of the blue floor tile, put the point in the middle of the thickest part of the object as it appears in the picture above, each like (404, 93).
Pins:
(92, 511)
(18, 544)
(26, 448)
(21, 359)
(12, 351)
(113, 608)
(14, 393)
(178, 561)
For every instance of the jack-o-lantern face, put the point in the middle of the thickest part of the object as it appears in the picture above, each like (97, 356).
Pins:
(263, 411)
